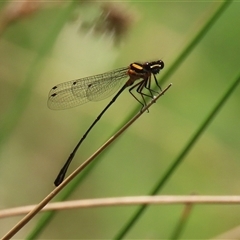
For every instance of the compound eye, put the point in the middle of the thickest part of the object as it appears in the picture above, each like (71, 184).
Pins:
(161, 64)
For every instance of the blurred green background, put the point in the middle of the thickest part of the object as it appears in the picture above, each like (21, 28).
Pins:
(56, 42)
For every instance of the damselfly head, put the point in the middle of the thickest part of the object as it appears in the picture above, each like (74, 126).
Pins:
(154, 67)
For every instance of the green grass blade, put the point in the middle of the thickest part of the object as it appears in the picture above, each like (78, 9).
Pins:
(183, 154)
(186, 51)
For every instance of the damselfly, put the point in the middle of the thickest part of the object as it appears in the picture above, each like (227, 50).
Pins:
(95, 88)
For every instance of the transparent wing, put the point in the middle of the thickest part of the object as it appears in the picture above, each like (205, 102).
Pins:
(76, 92)
(107, 85)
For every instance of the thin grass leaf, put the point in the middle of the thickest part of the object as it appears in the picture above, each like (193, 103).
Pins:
(200, 33)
